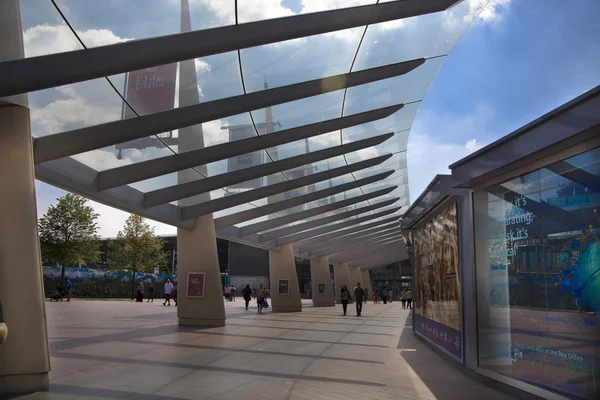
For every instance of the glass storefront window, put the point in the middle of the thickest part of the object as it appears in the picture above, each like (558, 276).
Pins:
(537, 252)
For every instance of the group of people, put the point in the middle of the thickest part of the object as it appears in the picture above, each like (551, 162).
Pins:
(229, 292)
(386, 295)
(261, 294)
(406, 297)
(359, 298)
(169, 288)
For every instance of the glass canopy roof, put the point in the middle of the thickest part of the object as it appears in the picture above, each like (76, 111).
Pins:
(47, 30)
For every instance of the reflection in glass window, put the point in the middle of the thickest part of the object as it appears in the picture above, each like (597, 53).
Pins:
(538, 276)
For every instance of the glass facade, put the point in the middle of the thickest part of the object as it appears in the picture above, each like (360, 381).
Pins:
(537, 253)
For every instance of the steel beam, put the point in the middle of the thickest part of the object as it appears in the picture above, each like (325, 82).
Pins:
(330, 228)
(271, 208)
(363, 254)
(77, 141)
(287, 219)
(118, 58)
(327, 246)
(344, 232)
(288, 230)
(354, 243)
(222, 203)
(359, 249)
(165, 165)
(192, 188)
(351, 236)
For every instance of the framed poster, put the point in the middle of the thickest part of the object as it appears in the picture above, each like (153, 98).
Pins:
(195, 285)
(321, 288)
(283, 287)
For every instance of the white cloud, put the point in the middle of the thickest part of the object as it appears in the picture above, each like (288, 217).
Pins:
(48, 39)
(202, 67)
(428, 156)
(438, 140)
(492, 12)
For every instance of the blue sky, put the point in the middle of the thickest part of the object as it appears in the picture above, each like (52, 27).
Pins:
(521, 59)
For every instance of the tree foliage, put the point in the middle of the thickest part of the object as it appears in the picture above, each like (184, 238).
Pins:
(137, 248)
(68, 232)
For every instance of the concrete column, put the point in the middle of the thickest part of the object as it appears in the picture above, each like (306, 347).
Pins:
(366, 281)
(320, 275)
(24, 358)
(197, 252)
(355, 277)
(283, 267)
(341, 278)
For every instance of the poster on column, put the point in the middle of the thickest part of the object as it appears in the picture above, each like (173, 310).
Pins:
(437, 282)
(195, 285)
(283, 287)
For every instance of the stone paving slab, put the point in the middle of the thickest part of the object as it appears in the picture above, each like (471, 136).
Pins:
(121, 349)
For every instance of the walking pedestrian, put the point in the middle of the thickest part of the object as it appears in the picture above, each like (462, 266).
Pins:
(175, 294)
(68, 288)
(232, 292)
(403, 298)
(3, 326)
(260, 298)
(344, 297)
(409, 298)
(150, 292)
(140, 292)
(168, 291)
(359, 295)
(247, 294)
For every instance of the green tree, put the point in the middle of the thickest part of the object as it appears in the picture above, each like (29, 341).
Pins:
(68, 233)
(137, 248)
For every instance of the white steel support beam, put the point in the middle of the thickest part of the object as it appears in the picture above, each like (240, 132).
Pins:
(330, 228)
(344, 232)
(165, 165)
(288, 230)
(189, 189)
(271, 208)
(77, 141)
(379, 231)
(275, 222)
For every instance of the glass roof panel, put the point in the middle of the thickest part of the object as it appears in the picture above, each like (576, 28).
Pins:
(254, 10)
(299, 60)
(96, 21)
(423, 36)
(405, 88)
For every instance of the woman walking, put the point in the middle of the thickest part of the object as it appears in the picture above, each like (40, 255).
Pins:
(247, 293)
(260, 298)
(345, 297)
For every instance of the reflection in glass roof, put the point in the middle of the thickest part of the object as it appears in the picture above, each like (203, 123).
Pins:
(234, 73)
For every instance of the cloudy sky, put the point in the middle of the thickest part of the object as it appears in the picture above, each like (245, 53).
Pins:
(519, 60)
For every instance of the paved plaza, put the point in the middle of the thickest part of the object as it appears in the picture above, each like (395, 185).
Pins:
(121, 349)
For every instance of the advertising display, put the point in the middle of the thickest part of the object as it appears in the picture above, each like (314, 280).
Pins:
(283, 287)
(437, 282)
(537, 250)
(195, 285)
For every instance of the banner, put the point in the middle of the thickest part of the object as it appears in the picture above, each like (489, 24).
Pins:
(437, 282)
(150, 90)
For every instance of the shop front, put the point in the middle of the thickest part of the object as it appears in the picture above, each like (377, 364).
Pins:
(506, 256)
